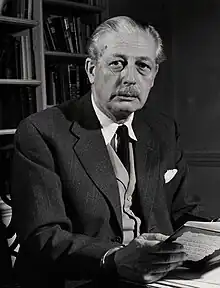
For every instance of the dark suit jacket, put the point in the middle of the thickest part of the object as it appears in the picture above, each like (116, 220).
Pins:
(66, 205)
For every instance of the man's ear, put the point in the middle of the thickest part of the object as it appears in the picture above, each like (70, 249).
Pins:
(155, 74)
(90, 69)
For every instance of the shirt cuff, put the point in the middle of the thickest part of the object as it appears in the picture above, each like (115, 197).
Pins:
(107, 260)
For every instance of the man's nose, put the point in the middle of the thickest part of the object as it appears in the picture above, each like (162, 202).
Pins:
(129, 75)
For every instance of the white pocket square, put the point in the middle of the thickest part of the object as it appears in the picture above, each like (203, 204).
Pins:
(168, 176)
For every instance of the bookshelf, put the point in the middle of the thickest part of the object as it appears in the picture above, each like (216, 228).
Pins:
(28, 69)
(28, 89)
(73, 21)
(33, 29)
(19, 85)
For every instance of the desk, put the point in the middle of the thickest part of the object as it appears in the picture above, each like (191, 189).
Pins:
(184, 278)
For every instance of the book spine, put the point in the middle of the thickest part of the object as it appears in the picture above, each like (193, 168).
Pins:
(57, 23)
(64, 31)
(51, 86)
(28, 56)
(53, 33)
(73, 31)
(78, 82)
(79, 33)
(72, 81)
(18, 58)
(68, 34)
(49, 36)
(24, 57)
(30, 10)
(22, 8)
(30, 95)
(46, 41)
(24, 103)
(57, 82)
(54, 92)
(6, 56)
(63, 69)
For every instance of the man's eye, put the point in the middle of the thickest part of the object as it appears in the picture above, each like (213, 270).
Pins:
(117, 64)
(144, 66)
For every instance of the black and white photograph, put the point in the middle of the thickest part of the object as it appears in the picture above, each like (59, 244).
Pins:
(109, 143)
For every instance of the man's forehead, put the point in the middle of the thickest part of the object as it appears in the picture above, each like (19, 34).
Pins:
(134, 43)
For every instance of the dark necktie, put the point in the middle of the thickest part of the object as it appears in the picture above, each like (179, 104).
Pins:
(122, 147)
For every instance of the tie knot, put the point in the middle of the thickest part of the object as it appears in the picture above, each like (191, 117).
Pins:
(122, 131)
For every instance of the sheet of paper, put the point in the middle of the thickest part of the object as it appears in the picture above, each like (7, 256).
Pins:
(198, 245)
(211, 226)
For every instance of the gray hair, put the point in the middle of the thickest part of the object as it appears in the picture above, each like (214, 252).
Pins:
(116, 24)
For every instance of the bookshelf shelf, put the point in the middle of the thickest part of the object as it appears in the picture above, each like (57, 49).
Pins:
(63, 56)
(73, 5)
(20, 82)
(13, 24)
(7, 131)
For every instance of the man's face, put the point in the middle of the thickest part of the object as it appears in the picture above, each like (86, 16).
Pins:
(124, 74)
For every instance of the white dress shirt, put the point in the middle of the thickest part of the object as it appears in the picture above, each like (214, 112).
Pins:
(109, 127)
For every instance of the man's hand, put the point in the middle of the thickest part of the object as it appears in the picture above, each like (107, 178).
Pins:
(146, 259)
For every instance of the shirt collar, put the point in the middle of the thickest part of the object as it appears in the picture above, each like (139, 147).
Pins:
(109, 127)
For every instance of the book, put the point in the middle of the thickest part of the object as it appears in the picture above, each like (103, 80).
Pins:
(54, 85)
(51, 87)
(24, 63)
(80, 34)
(52, 32)
(20, 104)
(17, 8)
(2, 6)
(67, 34)
(29, 57)
(58, 30)
(74, 34)
(30, 10)
(16, 57)
(48, 34)
(73, 81)
(10, 57)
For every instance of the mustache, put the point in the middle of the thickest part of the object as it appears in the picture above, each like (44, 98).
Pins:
(128, 92)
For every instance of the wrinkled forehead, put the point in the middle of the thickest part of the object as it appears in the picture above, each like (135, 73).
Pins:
(131, 43)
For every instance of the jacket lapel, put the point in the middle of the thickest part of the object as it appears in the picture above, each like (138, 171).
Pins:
(146, 165)
(91, 150)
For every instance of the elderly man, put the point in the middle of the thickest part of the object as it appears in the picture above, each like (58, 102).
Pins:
(99, 182)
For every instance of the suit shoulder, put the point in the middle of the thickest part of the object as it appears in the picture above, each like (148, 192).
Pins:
(44, 121)
(163, 126)
(160, 120)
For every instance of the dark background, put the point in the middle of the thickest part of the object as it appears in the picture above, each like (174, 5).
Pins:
(188, 84)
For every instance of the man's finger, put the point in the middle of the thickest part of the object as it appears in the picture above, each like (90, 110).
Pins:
(165, 268)
(169, 258)
(154, 236)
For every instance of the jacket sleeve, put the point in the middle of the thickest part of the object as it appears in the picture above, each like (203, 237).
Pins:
(43, 228)
(186, 206)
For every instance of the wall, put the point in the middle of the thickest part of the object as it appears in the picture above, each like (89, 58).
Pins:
(196, 72)
(157, 13)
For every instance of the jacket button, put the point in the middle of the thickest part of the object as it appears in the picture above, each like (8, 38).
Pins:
(117, 239)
